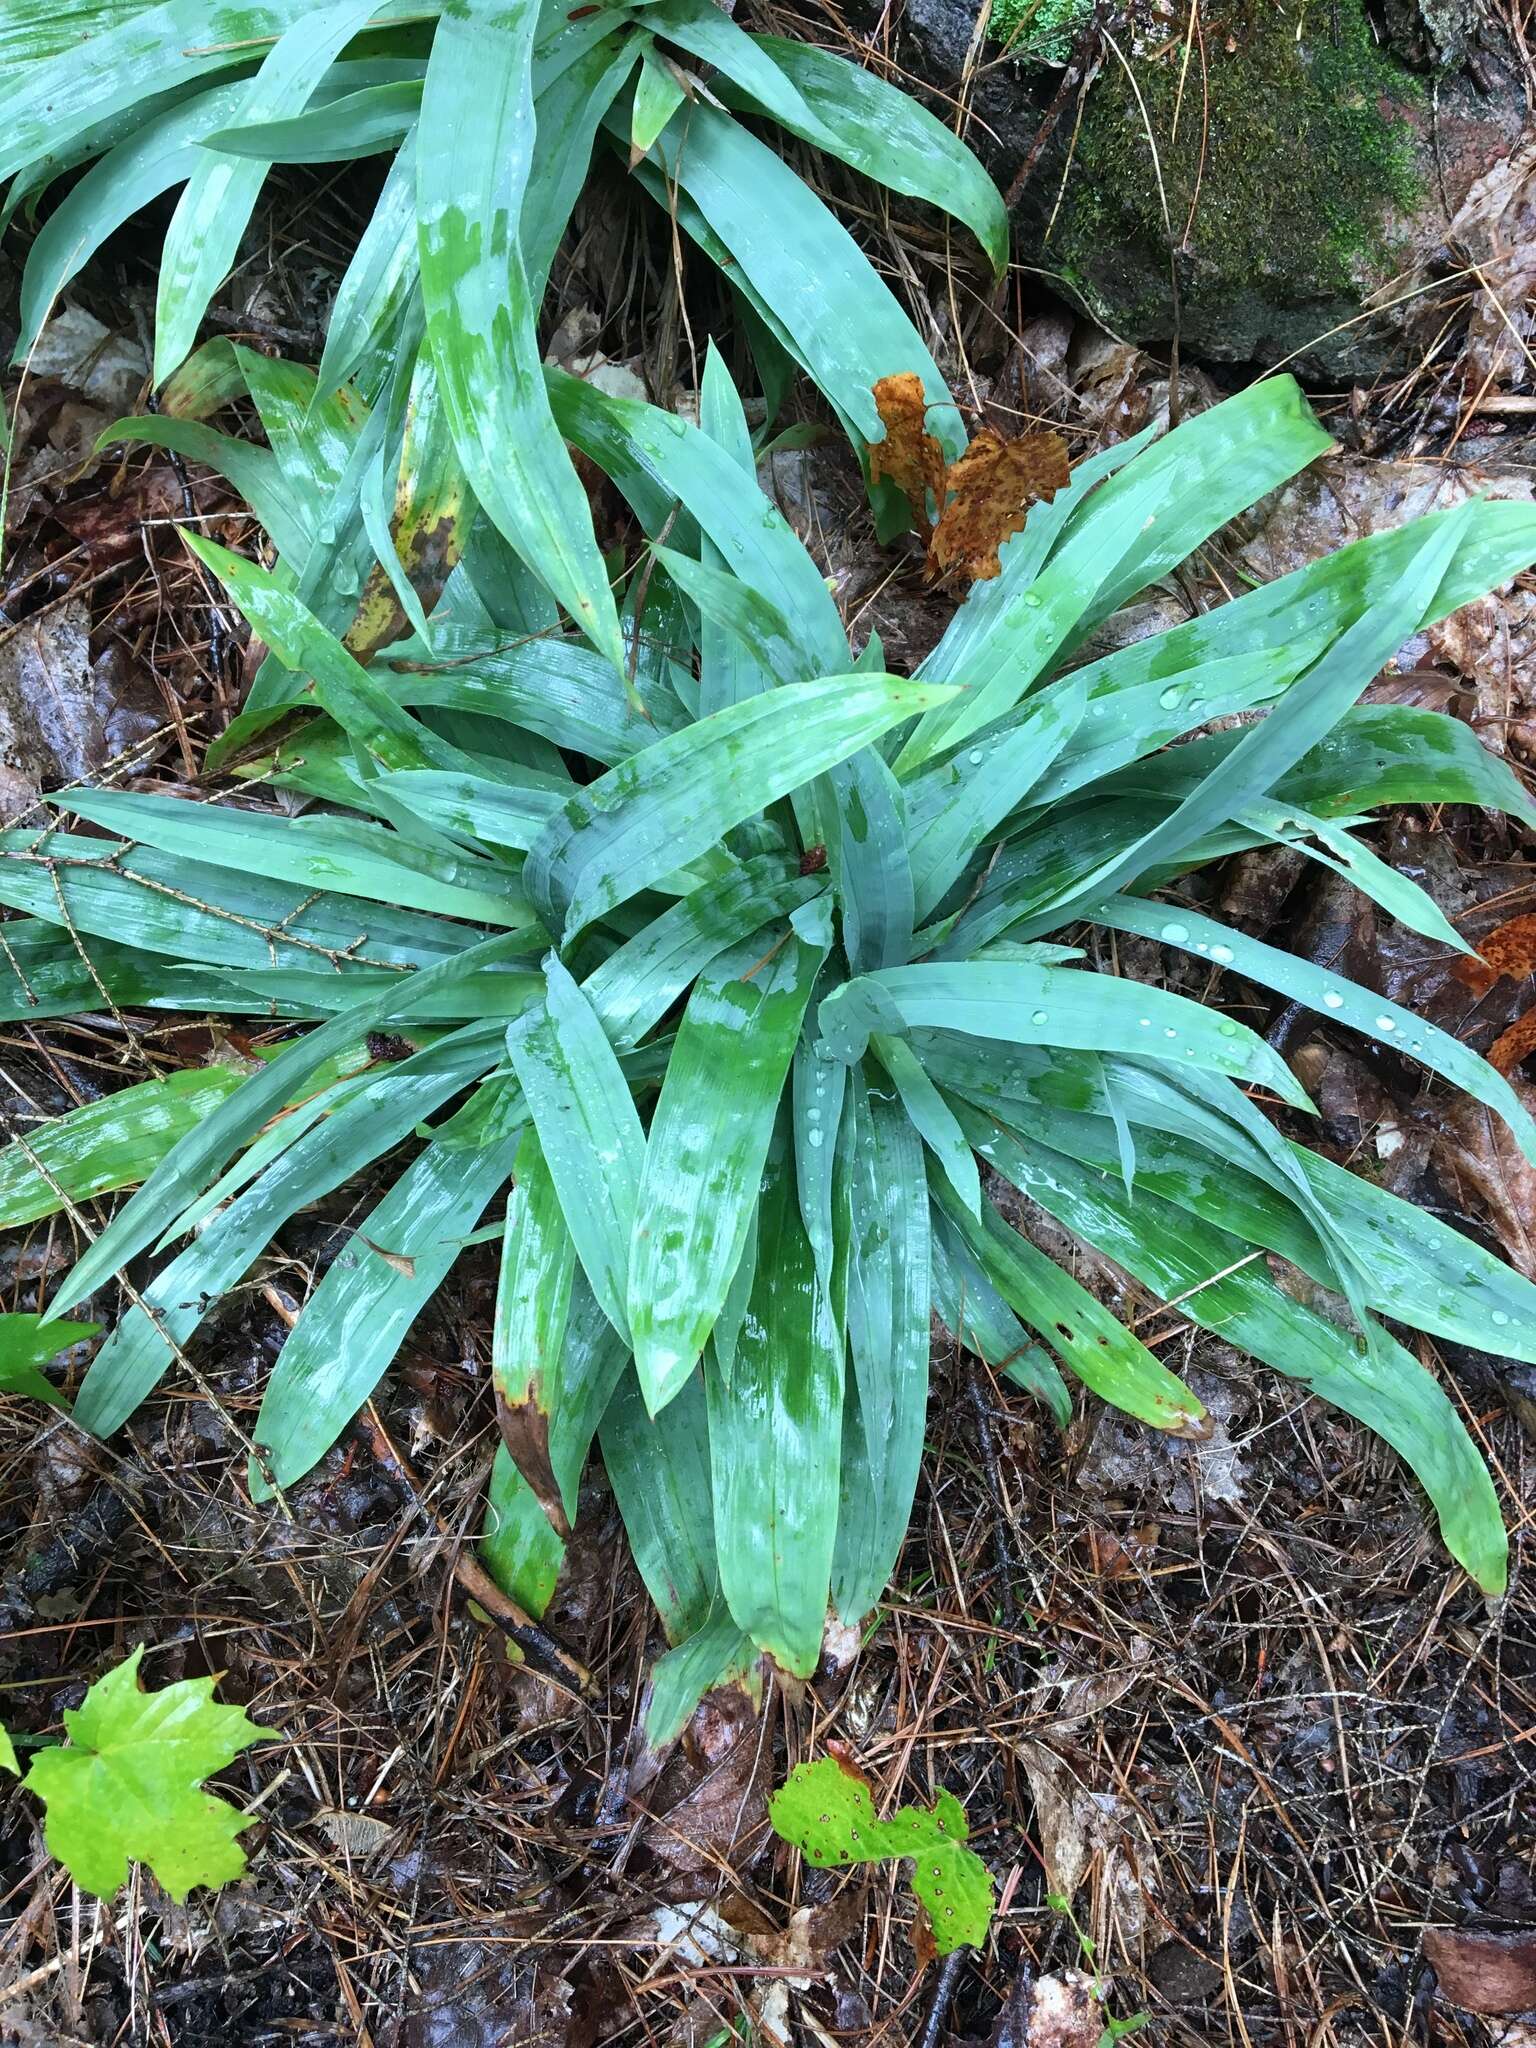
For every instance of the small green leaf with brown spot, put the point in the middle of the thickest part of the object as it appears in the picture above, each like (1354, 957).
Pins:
(825, 1810)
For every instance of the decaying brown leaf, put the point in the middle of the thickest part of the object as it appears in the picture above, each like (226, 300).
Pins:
(1484, 1971)
(990, 490)
(1515, 1044)
(981, 500)
(1485, 1172)
(909, 455)
(1509, 949)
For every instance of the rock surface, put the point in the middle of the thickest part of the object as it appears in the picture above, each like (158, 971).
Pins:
(1254, 189)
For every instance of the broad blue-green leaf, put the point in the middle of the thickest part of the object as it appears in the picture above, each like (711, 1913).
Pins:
(1385, 1388)
(105, 1145)
(658, 95)
(639, 981)
(159, 154)
(1394, 892)
(718, 1654)
(708, 1140)
(878, 130)
(1331, 995)
(655, 813)
(380, 277)
(863, 817)
(595, 1149)
(727, 670)
(967, 1303)
(533, 1303)
(361, 123)
(360, 705)
(477, 113)
(368, 1122)
(518, 1547)
(842, 321)
(215, 206)
(139, 52)
(185, 1171)
(1305, 715)
(658, 1467)
(659, 460)
(343, 855)
(889, 1303)
(931, 1117)
(775, 1434)
(355, 1321)
(1024, 1004)
(955, 806)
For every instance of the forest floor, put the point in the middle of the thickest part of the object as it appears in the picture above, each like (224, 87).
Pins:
(1230, 1699)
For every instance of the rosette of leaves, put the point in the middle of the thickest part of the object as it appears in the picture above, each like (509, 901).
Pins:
(490, 112)
(717, 1010)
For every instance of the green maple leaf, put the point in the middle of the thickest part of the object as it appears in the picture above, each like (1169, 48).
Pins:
(130, 1784)
(26, 1343)
(826, 1810)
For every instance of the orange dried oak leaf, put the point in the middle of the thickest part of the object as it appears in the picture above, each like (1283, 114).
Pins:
(981, 499)
(1514, 1044)
(990, 490)
(909, 455)
(1508, 949)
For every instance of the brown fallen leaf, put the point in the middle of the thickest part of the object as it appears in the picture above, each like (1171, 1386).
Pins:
(1509, 949)
(989, 492)
(1484, 1171)
(980, 500)
(1513, 1045)
(909, 455)
(1483, 1971)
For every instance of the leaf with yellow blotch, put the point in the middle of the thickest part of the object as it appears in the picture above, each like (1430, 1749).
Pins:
(909, 455)
(988, 495)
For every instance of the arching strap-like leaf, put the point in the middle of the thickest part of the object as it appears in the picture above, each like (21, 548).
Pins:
(474, 149)
(775, 1431)
(1021, 1003)
(1088, 1338)
(890, 1300)
(709, 1137)
(355, 1321)
(588, 1127)
(216, 203)
(1218, 1285)
(648, 816)
(878, 130)
(1331, 995)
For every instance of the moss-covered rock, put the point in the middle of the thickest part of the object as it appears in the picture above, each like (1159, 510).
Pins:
(1291, 171)
(1312, 153)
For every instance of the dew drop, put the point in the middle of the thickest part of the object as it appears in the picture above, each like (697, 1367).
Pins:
(975, 757)
(813, 1139)
(1415, 1045)
(1175, 934)
(1039, 1016)
(1145, 1023)
(1386, 1023)
(1169, 1032)
(1222, 954)
(1171, 696)
(1333, 999)
(1499, 1317)
(1032, 599)
(1228, 1029)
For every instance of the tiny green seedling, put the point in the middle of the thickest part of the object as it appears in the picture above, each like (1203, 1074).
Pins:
(1114, 2030)
(825, 1810)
